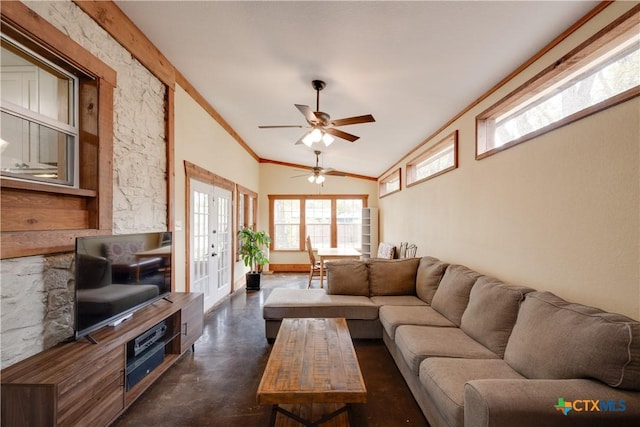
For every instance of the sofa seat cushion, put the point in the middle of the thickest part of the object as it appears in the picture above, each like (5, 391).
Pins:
(452, 296)
(284, 302)
(392, 277)
(430, 272)
(392, 316)
(585, 342)
(492, 312)
(417, 343)
(444, 381)
(398, 300)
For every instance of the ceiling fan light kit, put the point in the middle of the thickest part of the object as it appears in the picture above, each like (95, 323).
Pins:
(323, 129)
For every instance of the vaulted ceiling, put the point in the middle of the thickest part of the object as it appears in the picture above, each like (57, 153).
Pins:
(413, 65)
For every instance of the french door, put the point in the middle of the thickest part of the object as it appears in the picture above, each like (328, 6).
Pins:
(210, 241)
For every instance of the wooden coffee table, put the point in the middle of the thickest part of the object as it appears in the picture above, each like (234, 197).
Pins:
(313, 371)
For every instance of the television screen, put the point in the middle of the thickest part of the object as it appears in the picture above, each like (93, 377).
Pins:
(118, 274)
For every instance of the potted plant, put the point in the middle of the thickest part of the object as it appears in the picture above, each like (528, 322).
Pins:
(252, 250)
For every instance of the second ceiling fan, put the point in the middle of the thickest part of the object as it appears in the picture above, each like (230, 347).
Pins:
(322, 127)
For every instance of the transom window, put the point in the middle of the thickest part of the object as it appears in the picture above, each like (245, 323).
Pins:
(330, 221)
(602, 72)
(39, 130)
(390, 183)
(438, 159)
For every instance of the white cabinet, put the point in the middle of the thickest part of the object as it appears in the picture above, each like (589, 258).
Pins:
(369, 232)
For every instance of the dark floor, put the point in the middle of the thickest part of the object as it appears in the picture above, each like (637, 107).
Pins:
(216, 385)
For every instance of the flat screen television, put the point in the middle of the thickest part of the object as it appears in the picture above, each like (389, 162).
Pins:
(117, 275)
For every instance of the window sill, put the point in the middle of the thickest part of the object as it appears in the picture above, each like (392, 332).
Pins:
(45, 188)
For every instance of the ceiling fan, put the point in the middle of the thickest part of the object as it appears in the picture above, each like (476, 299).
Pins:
(317, 173)
(322, 127)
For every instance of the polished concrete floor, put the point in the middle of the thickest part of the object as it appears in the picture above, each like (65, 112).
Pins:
(216, 385)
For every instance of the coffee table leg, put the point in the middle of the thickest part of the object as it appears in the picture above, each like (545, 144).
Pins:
(350, 415)
(274, 415)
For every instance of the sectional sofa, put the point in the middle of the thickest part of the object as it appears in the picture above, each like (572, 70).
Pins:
(475, 351)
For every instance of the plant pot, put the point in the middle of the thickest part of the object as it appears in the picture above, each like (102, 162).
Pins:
(253, 281)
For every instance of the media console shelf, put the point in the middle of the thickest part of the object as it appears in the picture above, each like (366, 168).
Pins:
(80, 383)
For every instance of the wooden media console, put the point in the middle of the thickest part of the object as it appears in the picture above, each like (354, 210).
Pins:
(80, 383)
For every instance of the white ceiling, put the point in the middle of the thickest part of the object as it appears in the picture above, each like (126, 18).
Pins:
(412, 65)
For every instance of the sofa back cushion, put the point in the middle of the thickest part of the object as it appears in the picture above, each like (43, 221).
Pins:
(555, 339)
(452, 296)
(430, 271)
(392, 277)
(492, 312)
(347, 277)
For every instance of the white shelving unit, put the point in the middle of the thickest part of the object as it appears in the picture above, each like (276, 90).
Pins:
(369, 232)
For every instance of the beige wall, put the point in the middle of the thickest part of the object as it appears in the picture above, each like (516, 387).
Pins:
(558, 213)
(277, 179)
(200, 140)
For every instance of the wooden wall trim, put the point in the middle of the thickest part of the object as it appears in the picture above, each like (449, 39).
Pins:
(572, 29)
(297, 166)
(120, 27)
(194, 171)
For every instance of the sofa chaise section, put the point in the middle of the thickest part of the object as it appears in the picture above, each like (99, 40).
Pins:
(361, 313)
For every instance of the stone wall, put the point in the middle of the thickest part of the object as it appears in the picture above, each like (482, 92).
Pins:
(36, 293)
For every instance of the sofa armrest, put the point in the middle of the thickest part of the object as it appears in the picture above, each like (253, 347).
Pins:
(533, 403)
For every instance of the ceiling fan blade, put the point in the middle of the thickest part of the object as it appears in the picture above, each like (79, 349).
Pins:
(341, 134)
(307, 112)
(282, 126)
(327, 170)
(353, 120)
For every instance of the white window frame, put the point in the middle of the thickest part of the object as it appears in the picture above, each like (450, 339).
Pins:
(71, 130)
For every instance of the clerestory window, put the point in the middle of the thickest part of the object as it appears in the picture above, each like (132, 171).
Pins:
(438, 159)
(602, 72)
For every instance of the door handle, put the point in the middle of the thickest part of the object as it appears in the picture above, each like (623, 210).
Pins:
(214, 254)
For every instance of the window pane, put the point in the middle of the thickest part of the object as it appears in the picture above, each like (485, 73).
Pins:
(35, 86)
(38, 127)
(349, 219)
(435, 163)
(593, 85)
(31, 150)
(600, 73)
(286, 221)
(318, 222)
(440, 158)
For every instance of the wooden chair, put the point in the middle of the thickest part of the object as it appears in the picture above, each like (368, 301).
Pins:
(403, 249)
(410, 251)
(314, 266)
